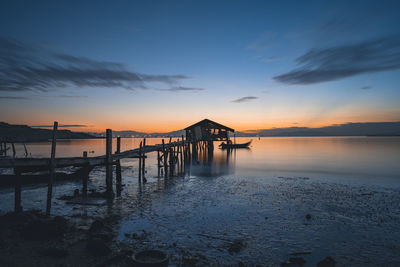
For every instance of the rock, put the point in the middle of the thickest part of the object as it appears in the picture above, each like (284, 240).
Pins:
(97, 247)
(236, 246)
(327, 262)
(308, 216)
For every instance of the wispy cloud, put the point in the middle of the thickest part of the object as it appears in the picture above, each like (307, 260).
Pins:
(181, 89)
(25, 68)
(13, 97)
(264, 42)
(245, 99)
(366, 87)
(322, 65)
(71, 96)
(272, 59)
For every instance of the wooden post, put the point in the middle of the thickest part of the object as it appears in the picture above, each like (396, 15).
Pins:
(52, 169)
(158, 162)
(13, 149)
(118, 145)
(17, 193)
(176, 157)
(118, 184)
(181, 155)
(140, 161)
(144, 163)
(109, 167)
(165, 157)
(171, 161)
(84, 178)
(26, 151)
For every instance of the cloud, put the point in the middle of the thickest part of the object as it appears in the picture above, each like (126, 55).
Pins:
(13, 97)
(272, 59)
(61, 126)
(323, 65)
(182, 89)
(366, 87)
(72, 96)
(26, 68)
(264, 42)
(244, 99)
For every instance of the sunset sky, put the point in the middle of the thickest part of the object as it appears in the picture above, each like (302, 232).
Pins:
(158, 66)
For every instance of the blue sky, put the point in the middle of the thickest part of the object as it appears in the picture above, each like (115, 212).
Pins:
(161, 65)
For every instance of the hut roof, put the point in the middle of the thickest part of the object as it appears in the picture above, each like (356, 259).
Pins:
(206, 123)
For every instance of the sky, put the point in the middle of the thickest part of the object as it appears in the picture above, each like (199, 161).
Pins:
(158, 66)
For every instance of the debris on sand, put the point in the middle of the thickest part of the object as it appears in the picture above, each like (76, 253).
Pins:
(327, 262)
(236, 246)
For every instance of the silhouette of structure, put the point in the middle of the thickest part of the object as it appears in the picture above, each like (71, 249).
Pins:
(203, 133)
(207, 131)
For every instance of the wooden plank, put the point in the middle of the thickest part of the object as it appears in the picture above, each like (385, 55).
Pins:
(80, 161)
(52, 168)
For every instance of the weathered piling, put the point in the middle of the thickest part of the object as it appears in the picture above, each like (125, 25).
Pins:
(13, 149)
(165, 158)
(26, 151)
(84, 178)
(52, 169)
(109, 167)
(144, 163)
(171, 159)
(181, 154)
(140, 162)
(118, 183)
(158, 163)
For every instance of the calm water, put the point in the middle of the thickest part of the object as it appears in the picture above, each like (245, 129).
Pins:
(350, 186)
(352, 159)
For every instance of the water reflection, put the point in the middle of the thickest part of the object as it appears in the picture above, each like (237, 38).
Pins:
(212, 163)
(369, 159)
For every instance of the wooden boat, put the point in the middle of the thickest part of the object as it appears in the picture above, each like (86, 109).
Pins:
(230, 145)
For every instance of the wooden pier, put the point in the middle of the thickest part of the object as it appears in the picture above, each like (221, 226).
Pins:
(172, 157)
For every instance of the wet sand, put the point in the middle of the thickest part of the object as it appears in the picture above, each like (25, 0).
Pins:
(228, 220)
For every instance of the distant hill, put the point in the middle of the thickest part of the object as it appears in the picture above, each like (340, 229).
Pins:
(348, 129)
(24, 133)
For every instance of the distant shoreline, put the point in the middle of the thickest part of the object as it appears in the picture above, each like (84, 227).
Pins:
(255, 137)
